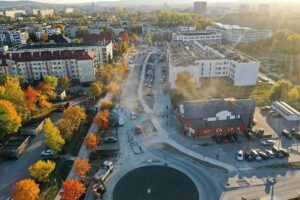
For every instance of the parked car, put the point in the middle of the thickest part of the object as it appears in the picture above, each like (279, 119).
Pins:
(236, 138)
(133, 115)
(293, 130)
(121, 122)
(271, 112)
(277, 152)
(250, 135)
(248, 156)
(255, 154)
(284, 152)
(267, 142)
(270, 153)
(287, 134)
(47, 152)
(110, 139)
(138, 129)
(266, 108)
(230, 138)
(297, 135)
(263, 155)
(217, 138)
(240, 155)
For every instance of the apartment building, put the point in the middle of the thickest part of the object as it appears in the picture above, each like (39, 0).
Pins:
(207, 60)
(237, 34)
(14, 13)
(48, 31)
(102, 50)
(13, 37)
(43, 12)
(187, 36)
(76, 64)
(69, 10)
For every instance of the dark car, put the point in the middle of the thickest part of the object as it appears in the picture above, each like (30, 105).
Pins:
(230, 138)
(236, 138)
(250, 135)
(217, 138)
(277, 152)
(248, 156)
(263, 155)
(110, 139)
(296, 135)
(284, 153)
(287, 134)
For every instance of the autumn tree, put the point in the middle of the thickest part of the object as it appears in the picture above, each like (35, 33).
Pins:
(64, 82)
(10, 120)
(44, 37)
(91, 141)
(95, 89)
(113, 87)
(52, 136)
(124, 37)
(72, 189)
(26, 189)
(148, 38)
(106, 104)
(52, 80)
(280, 90)
(81, 167)
(135, 38)
(31, 98)
(47, 90)
(43, 102)
(101, 119)
(72, 118)
(41, 170)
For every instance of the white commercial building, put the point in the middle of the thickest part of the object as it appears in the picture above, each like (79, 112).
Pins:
(43, 12)
(14, 13)
(285, 110)
(69, 10)
(102, 50)
(201, 60)
(18, 37)
(237, 34)
(187, 36)
(77, 64)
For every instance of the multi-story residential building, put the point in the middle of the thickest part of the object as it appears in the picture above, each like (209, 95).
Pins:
(76, 64)
(69, 10)
(102, 50)
(187, 36)
(116, 29)
(203, 60)
(14, 13)
(200, 7)
(18, 37)
(43, 12)
(48, 31)
(237, 34)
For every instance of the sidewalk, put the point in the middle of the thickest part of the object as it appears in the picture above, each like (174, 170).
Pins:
(164, 135)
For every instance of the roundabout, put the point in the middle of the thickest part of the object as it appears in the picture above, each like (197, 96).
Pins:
(155, 183)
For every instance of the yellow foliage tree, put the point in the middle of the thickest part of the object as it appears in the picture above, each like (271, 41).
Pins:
(41, 170)
(135, 38)
(10, 120)
(81, 167)
(26, 189)
(53, 137)
(96, 89)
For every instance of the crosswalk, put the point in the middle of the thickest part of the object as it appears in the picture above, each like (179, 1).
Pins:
(242, 166)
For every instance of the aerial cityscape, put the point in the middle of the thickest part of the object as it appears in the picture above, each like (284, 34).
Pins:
(159, 100)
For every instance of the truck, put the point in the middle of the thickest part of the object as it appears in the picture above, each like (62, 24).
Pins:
(15, 146)
(104, 172)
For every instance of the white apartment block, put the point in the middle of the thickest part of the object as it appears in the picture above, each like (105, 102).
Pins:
(187, 36)
(211, 61)
(48, 31)
(79, 65)
(14, 13)
(102, 50)
(18, 37)
(69, 10)
(237, 34)
(187, 28)
(43, 12)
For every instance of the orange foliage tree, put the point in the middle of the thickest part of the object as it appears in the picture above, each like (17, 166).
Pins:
(72, 189)
(101, 119)
(113, 87)
(106, 104)
(31, 98)
(91, 142)
(26, 189)
(124, 37)
(81, 167)
(135, 38)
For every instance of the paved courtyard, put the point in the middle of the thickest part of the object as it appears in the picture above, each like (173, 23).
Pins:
(155, 183)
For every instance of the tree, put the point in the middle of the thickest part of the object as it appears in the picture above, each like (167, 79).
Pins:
(124, 37)
(148, 39)
(47, 90)
(106, 104)
(135, 38)
(185, 81)
(26, 189)
(113, 87)
(96, 89)
(101, 119)
(280, 90)
(52, 136)
(43, 102)
(64, 82)
(72, 118)
(44, 37)
(106, 73)
(41, 170)
(91, 141)
(10, 120)
(81, 167)
(31, 98)
(72, 189)
(52, 80)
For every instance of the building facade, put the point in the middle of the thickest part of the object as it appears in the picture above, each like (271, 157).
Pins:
(196, 36)
(216, 117)
(285, 110)
(76, 64)
(69, 10)
(43, 12)
(14, 13)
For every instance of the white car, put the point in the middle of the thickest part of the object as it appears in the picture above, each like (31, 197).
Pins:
(240, 155)
(121, 122)
(47, 152)
(133, 115)
(267, 142)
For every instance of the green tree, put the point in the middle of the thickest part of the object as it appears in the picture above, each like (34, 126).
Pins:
(280, 90)
(41, 170)
(52, 136)
(95, 89)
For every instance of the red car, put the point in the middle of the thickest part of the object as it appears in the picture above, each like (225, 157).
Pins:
(138, 129)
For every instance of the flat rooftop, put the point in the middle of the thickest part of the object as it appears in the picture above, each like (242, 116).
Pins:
(190, 33)
(187, 53)
(285, 108)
